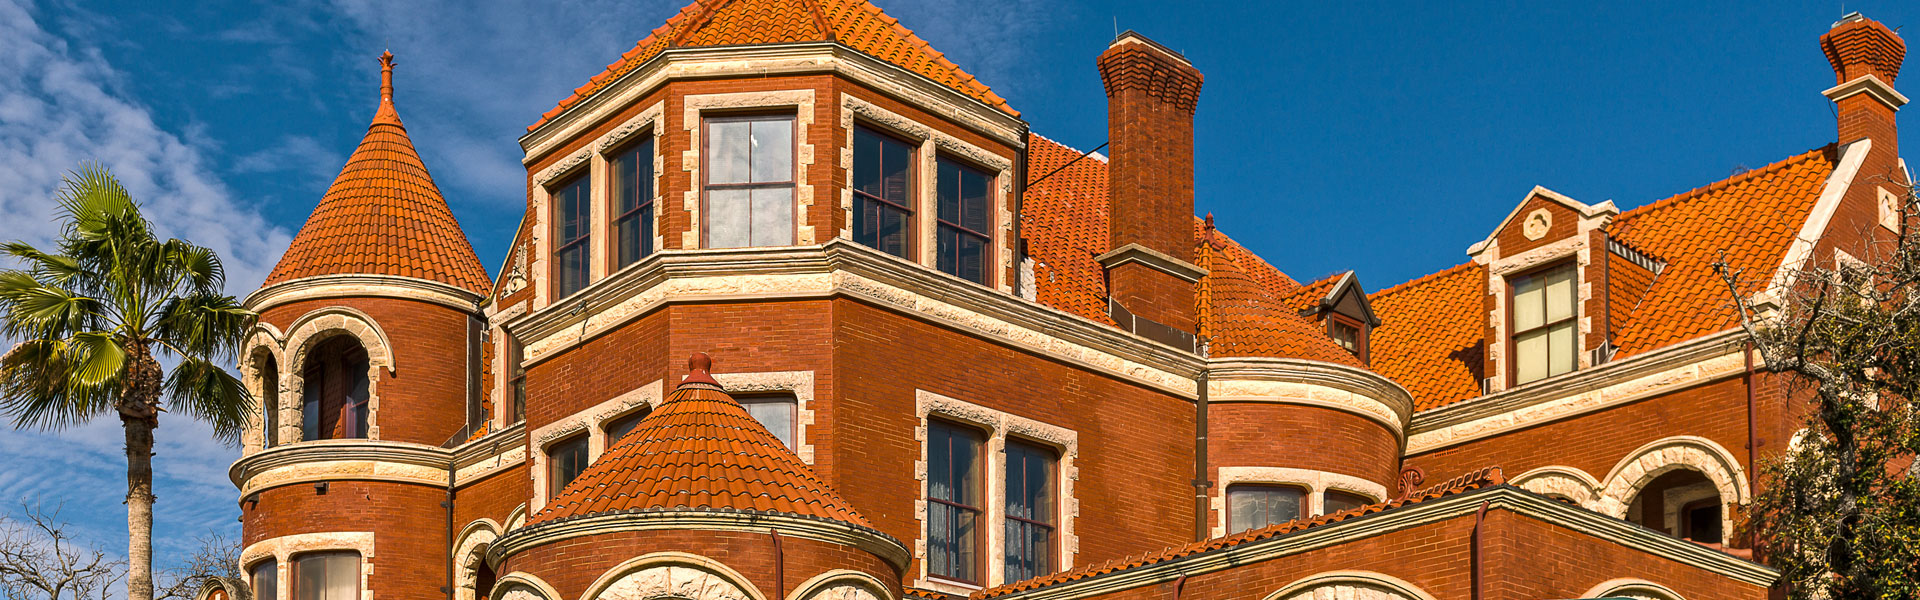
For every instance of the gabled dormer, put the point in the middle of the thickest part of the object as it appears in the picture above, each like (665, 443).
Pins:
(1543, 319)
(1339, 305)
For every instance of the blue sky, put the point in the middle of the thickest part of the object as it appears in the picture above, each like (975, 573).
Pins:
(1381, 137)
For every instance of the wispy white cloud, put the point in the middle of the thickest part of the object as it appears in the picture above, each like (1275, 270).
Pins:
(298, 154)
(62, 103)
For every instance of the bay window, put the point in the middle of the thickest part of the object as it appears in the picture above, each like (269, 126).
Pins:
(964, 237)
(326, 576)
(882, 192)
(749, 187)
(1545, 331)
(573, 232)
(632, 196)
(266, 579)
(953, 502)
(1030, 511)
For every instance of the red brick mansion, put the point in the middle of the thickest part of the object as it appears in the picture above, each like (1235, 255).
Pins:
(800, 310)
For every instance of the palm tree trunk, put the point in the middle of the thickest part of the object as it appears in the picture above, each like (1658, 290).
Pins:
(140, 415)
(139, 508)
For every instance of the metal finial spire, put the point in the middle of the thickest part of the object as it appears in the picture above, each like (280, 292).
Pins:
(386, 76)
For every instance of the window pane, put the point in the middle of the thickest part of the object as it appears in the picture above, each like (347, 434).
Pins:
(892, 232)
(625, 182)
(867, 163)
(327, 576)
(1528, 305)
(1530, 356)
(776, 414)
(949, 191)
(1559, 294)
(1256, 506)
(974, 202)
(773, 149)
(727, 151)
(772, 217)
(567, 459)
(972, 259)
(728, 212)
(266, 580)
(619, 428)
(896, 165)
(1561, 347)
(1337, 501)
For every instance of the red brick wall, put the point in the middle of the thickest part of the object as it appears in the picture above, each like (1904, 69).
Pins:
(493, 497)
(423, 399)
(572, 565)
(1525, 559)
(1513, 238)
(408, 525)
(1266, 434)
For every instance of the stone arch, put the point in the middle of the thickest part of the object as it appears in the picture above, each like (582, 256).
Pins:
(1627, 587)
(1667, 455)
(322, 325)
(1561, 481)
(671, 575)
(266, 426)
(470, 558)
(523, 586)
(1358, 585)
(517, 518)
(840, 584)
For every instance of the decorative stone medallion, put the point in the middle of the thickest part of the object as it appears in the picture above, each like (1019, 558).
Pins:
(1537, 223)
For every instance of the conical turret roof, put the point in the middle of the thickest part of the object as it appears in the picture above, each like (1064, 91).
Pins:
(700, 450)
(383, 215)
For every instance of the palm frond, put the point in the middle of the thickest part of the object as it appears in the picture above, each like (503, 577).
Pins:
(201, 267)
(35, 309)
(209, 326)
(95, 360)
(52, 268)
(35, 390)
(202, 390)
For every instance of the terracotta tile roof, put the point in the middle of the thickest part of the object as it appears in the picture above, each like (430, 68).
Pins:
(914, 592)
(1309, 296)
(700, 449)
(1431, 338)
(1246, 319)
(1483, 478)
(858, 24)
(1064, 221)
(383, 216)
(1753, 217)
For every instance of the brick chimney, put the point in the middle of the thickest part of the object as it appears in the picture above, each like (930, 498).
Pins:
(1866, 58)
(1151, 95)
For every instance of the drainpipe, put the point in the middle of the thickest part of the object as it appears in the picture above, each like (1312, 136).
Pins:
(1479, 520)
(1201, 502)
(452, 468)
(779, 566)
(1753, 435)
(1179, 585)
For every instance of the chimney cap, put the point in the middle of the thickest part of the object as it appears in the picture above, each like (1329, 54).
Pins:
(1134, 36)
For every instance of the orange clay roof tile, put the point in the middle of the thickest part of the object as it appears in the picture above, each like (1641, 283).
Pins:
(858, 24)
(1309, 296)
(383, 216)
(1431, 337)
(1064, 221)
(1480, 479)
(699, 450)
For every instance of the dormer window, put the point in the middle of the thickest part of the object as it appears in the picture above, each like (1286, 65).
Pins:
(749, 181)
(1545, 330)
(1349, 334)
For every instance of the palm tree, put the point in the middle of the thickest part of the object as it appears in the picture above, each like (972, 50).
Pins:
(91, 321)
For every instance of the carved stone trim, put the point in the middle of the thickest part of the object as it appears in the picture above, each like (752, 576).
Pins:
(469, 554)
(672, 575)
(999, 426)
(1316, 482)
(520, 585)
(695, 107)
(359, 286)
(1629, 587)
(840, 584)
(841, 267)
(1358, 585)
(1669, 454)
(772, 60)
(1871, 85)
(798, 383)
(282, 549)
(1312, 383)
(318, 326)
(834, 532)
(1562, 481)
(1152, 259)
(592, 420)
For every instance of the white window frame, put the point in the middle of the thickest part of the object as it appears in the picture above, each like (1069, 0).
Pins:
(1315, 482)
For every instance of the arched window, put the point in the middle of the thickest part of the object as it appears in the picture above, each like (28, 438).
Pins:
(334, 401)
(1683, 503)
(269, 371)
(1252, 506)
